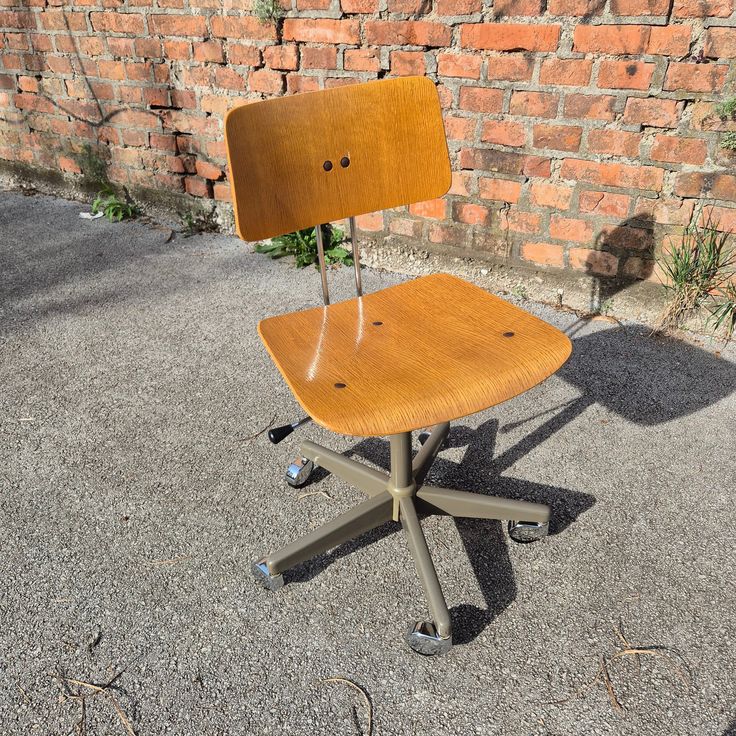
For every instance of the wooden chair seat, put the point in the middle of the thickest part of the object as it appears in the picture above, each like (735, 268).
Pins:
(410, 356)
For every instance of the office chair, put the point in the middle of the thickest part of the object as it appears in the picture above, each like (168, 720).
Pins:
(412, 356)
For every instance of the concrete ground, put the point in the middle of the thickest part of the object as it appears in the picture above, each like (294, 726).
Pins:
(133, 499)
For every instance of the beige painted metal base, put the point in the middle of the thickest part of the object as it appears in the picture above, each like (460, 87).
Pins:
(398, 496)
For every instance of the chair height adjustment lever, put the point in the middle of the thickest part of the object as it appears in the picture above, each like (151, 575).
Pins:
(279, 433)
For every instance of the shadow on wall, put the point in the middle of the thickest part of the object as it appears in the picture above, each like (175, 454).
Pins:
(623, 256)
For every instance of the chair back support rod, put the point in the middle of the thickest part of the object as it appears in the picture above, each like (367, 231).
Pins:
(322, 265)
(356, 257)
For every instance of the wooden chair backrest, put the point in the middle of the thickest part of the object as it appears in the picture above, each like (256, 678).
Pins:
(307, 159)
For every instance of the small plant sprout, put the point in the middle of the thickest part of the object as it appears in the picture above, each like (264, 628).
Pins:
(303, 246)
(696, 267)
(728, 141)
(723, 313)
(268, 11)
(726, 110)
(112, 207)
(199, 220)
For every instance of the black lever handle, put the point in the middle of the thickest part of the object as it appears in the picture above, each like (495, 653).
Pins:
(279, 433)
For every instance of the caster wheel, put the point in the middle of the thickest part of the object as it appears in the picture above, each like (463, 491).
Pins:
(299, 472)
(524, 532)
(422, 638)
(264, 577)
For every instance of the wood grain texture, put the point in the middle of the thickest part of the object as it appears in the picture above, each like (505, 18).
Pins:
(410, 356)
(390, 131)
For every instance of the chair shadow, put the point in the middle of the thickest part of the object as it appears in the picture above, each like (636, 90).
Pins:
(643, 379)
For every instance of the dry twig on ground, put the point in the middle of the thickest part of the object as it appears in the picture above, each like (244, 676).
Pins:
(363, 693)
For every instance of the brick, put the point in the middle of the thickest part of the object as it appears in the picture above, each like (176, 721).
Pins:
(362, 60)
(405, 33)
(196, 186)
(177, 50)
(625, 74)
(521, 222)
(472, 214)
(508, 8)
(575, 7)
(544, 254)
(723, 186)
(243, 55)
(435, 209)
(677, 150)
(208, 51)
(372, 222)
(569, 228)
(459, 65)
(55, 20)
(638, 268)
(179, 25)
(281, 57)
(509, 36)
(640, 7)
(702, 8)
(266, 81)
(481, 99)
(614, 142)
(651, 111)
(534, 104)
(607, 204)
(611, 39)
(411, 7)
(452, 235)
(111, 69)
(504, 133)
(545, 194)
(458, 129)
(669, 40)
(221, 191)
(613, 174)
(453, 7)
(407, 228)
(359, 6)
(137, 71)
(323, 57)
(558, 137)
(593, 261)
(625, 237)
(501, 190)
(245, 27)
(720, 43)
(691, 184)
(723, 218)
(296, 83)
(593, 107)
(109, 22)
(208, 171)
(665, 212)
(505, 162)
(572, 72)
(696, 77)
(69, 165)
(514, 68)
(313, 4)
(321, 30)
(14, 20)
(149, 48)
(407, 63)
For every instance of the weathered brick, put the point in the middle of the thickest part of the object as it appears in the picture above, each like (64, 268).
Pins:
(502, 190)
(208, 171)
(407, 228)
(626, 237)
(613, 174)
(723, 218)
(595, 107)
(503, 132)
(503, 8)
(509, 36)
(614, 142)
(435, 209)
(570, 228)
(534, 104)
(205, 51)
(281, 57)
(178, 25)
(638, 268)
(557, 137)
(149, 48)
(267, 81)
(405, 33)
(545, 194)
(677, 150)
(669, 40)
(611, 39)
(321, 57)
(109, 22)
(575, 7)
(55, 20)
(664, 212)
(545, 254)
(227, 78)
(459, 65)
(593, 261)
(471, 214)
(249, 27)
(407, 63)
(243, 55)
(521, 222)
(197, 186)
(505, 162)
(607, 204)
(696, 77)
(640, 7)
(177, 50)
(481, 99)
(511, 67)
(651, 111)
(296, 83)
(359, 6)
(571, 72)
(702, 8)
(720, 43)
(625, 74)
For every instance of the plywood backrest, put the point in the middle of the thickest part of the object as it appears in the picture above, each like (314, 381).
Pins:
(299, 161)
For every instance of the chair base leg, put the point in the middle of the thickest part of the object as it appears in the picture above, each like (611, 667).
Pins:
(399, 496)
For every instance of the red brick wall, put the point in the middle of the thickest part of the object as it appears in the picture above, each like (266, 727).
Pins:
(581, 131)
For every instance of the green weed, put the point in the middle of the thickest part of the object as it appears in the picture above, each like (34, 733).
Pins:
(302, 244)
(112, 207)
